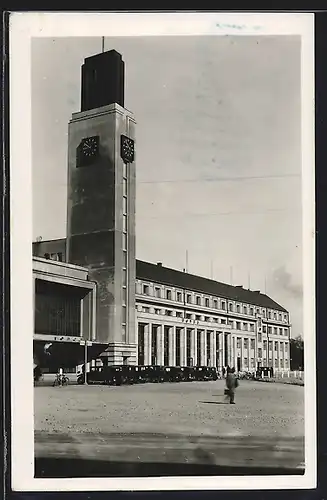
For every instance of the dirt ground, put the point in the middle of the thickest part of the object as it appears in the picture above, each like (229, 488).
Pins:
(175, 423)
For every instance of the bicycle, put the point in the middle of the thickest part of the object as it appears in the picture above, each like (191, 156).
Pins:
(60, 380)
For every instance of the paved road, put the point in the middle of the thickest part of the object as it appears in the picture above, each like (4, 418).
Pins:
(126, 430)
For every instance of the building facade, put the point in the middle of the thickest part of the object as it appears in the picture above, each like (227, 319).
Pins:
(180, 319)
(186, 320)
(89, 287)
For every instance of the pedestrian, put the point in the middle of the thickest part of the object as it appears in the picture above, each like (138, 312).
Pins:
(231, 384)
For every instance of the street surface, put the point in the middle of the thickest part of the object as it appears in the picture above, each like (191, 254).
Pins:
(168, 429)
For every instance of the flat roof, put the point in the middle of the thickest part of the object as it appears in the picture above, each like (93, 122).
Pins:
(60, 264)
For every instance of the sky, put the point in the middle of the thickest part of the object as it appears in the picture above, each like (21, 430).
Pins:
(218, 152)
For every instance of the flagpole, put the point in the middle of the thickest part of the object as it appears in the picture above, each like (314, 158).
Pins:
(102, 44)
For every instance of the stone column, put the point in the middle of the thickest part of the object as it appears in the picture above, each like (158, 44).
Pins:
(147, 344)
(193, 346)
(222, 349)
(160, 337)
(204, 347)
(229, 348)
(172, 346)
(183, 346)
(213, 348)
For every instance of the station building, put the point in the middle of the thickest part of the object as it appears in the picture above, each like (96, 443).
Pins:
(90, 288)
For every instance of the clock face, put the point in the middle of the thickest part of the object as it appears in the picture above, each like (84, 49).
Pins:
(90, 146)
(127, 149)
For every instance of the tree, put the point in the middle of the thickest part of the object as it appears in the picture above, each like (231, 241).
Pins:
(297, 353)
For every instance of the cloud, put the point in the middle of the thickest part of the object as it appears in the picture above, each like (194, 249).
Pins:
(285, 281)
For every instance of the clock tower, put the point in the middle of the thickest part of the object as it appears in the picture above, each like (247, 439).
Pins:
(101, 201)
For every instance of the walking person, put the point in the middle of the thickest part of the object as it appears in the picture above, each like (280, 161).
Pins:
(231, 384)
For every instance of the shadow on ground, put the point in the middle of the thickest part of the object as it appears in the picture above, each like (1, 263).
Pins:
(148, 454)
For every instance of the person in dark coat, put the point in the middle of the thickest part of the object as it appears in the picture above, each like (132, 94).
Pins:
(231, 384)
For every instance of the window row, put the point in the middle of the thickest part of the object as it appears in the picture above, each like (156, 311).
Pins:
(275, 330)
(190, 298)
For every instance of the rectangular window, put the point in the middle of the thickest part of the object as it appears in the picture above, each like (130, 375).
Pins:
(188, 316)
(189, 298)
(146, 309)
(124, 314)
(260, 352)
(146, 290)
(124, 205)
(230, 306)
(246, 343)
(269, 329)
(270, 346)
(286, 347)
(178, 347)
(238, 308)
(198, 317)
(157, 292)
(238, 325)
(223, 321)
(264, 345)
(124, 241)
(276, 346)
(57, 309)
(245, 326)
(207, 302)
(282, 363)
(275, 330)
(215, 304)
(251, 327)
(252, 344)
(245, 362)
(124, 258)
(179, 296)
(281, 346)
(245, 310)
(252, 363)
(276, 363)
(124, 187)
(223, 305)
(251, 311)
(286, 332)
(168, 295)
(280, 331)
(238, 343)
(168, 312)
(264, 329)
(231, 323)
(198, 300)
(179, 314)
